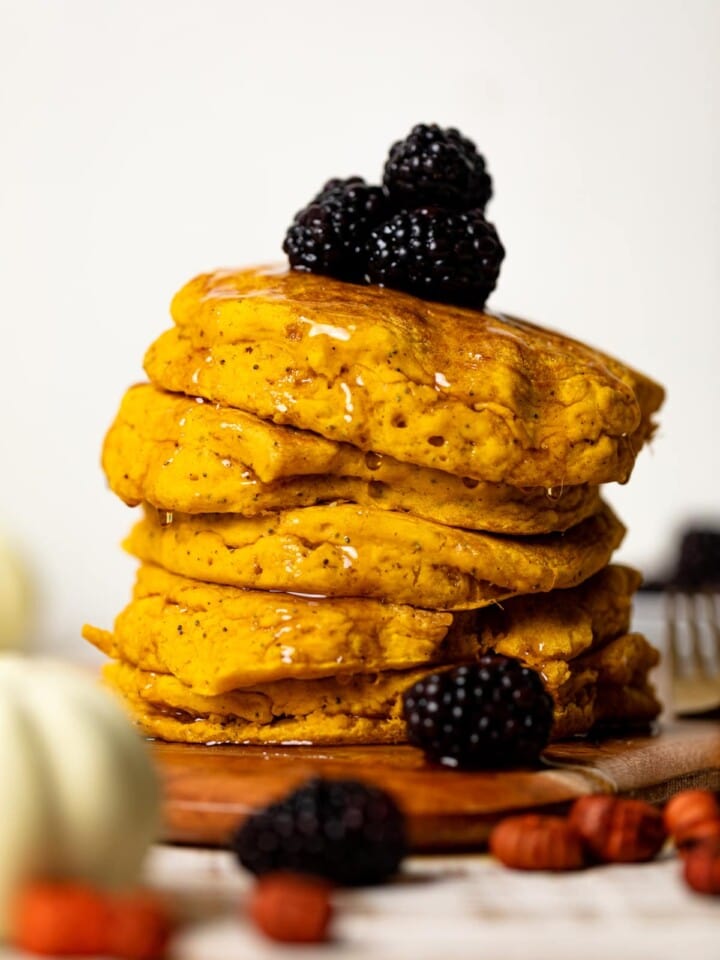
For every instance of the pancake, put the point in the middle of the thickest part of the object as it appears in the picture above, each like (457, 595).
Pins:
(193, 457)
(344, 550)
(471, 393)
(365, 708)
(606, 706)
(561, 625)
(351, 710)
(623, 661)
(215, 638)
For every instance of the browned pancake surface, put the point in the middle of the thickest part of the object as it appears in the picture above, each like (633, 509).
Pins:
(474, 394)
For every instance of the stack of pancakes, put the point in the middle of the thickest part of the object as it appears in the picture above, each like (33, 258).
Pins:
(345, 487)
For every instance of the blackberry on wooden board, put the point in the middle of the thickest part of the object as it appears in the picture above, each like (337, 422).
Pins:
(491, 714)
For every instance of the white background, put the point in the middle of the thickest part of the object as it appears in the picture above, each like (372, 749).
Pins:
(142, 142)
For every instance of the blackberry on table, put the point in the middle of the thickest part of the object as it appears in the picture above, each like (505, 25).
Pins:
(349, 832)
(491, 714)
(436, 166)
(329, 235)
(437, 254)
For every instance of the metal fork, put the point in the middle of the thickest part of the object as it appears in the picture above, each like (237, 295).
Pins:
(692, 623)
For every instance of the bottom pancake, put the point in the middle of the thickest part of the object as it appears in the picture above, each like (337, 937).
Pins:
(360, 709)
(610, 706)
(609, 683)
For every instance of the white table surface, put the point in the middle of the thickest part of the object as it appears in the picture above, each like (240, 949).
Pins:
(451, 908)
(456, 908)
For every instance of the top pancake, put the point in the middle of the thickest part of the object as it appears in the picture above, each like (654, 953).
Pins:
(470, 393)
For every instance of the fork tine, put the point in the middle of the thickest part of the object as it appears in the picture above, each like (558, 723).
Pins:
(696, 655)
(671, 626)
(711, 607)
(712, 598)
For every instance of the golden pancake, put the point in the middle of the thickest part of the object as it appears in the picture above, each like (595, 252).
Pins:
(561, 625)
(623, 661)
(459, 390)
(345, 550)
(605, 706)
(215, 638)
(364, 708)
(193, 457)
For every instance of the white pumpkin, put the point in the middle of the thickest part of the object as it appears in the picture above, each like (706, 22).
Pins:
(14, 599)
(79, 797)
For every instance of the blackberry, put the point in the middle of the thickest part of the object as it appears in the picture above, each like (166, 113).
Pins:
(329, 235)
(349, 832)
(494, 713)
(436, 166)
(337, 184)
(437, 254)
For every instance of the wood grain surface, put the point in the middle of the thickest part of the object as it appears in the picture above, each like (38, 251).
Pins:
(210, 790)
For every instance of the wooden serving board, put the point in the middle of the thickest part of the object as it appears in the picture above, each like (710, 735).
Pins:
(210, 790)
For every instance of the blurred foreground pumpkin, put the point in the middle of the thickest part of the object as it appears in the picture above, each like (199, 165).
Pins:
(80, 799)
